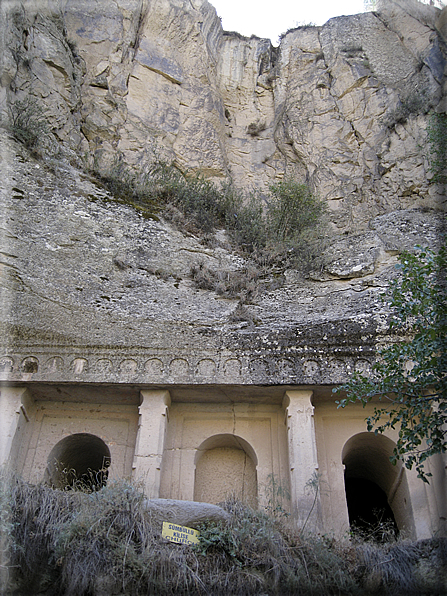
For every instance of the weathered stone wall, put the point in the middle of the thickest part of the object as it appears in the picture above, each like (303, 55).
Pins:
(103, 330)
(93, 292)
(53, 421)
(341, 437)
(342, 107)
(199, 447)
(197, 429)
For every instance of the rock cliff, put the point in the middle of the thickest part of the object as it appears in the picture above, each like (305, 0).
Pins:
(343, 107)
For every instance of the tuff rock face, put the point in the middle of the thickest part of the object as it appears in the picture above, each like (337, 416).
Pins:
(342, 107)
(94, 292)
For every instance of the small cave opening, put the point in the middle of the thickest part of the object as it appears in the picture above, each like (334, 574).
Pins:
(78, 462)
(370, 515)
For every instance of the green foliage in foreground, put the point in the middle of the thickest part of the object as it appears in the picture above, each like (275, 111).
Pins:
(410, 376)
(65, 543)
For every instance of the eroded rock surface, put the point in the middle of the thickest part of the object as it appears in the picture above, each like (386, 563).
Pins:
(343, 107)
(93, 292)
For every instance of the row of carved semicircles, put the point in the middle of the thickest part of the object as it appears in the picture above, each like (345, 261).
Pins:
(180, 367)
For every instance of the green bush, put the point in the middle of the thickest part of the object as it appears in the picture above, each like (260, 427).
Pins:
(202, 200)
(292, 210)
(144, 193)
(246, 224)
(164, 187)
(296, 225)
(288, 230)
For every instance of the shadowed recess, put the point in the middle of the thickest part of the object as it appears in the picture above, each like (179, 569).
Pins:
(79, 461)
(377, 492)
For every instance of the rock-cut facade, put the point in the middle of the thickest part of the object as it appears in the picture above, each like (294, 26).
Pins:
(113, 360)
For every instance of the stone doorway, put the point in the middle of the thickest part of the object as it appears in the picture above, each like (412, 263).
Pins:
(79, 461)
(377, 492)
(368, 509)
(226, 469)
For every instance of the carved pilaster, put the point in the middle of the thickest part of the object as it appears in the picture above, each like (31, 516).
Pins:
(302, 457)
(16, 411)
(151, 439)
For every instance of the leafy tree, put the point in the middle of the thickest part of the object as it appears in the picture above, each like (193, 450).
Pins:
(410, 375)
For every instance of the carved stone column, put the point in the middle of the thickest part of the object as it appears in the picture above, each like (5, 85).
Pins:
(151, 439)
(302, 458)
(16, 408)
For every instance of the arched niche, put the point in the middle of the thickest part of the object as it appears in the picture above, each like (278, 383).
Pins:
(373, 482)
(79, 461)
(225, 467)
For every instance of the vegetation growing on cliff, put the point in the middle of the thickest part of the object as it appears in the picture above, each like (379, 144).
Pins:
(287, 224)
(104, 542)
(285, 227)
(28, 125)
(437, 145)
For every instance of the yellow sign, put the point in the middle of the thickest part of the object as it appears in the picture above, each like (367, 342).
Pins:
(179, 534)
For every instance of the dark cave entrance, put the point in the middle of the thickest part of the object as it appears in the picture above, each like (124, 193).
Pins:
(377, 495)
(79, 461)
(370, 515)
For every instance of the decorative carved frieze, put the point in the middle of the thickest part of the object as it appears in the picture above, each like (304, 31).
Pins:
(200, 368)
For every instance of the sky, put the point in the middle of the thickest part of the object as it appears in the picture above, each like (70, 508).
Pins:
(270, 18)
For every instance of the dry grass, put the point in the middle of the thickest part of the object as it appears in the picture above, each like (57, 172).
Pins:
(241, 284)
(285, 228)
(104, 542)
(246, 284)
